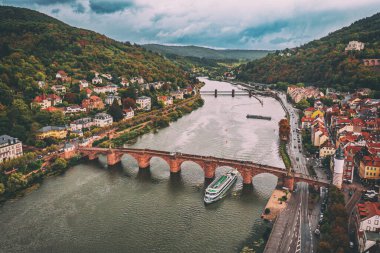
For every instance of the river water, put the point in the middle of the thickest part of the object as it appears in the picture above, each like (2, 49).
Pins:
(92, 208)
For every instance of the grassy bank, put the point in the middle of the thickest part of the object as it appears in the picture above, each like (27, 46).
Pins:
(284, 155)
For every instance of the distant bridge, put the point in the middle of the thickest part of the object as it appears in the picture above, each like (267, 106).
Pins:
(232, 93)
(209, 164)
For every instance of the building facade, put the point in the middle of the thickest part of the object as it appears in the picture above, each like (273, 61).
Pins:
(10, 148)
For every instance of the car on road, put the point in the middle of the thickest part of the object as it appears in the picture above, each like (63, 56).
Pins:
(317, 232)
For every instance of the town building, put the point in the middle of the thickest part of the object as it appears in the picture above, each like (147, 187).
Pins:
(60, 89)
(106, 89)
(166, 100)
(45, 101)
(93, 103)
(83, 84)
(73, 109)
(97, 79)
(128, 113)
(111, 97)
(326, 149)
(144, 103)
(367, 224)
(371, 62)
(107, 76)
(103, 119)
(10, 148)
(306, 122)
(176, 94)
(369, 168)
(80, 124)
(61, 75)
(354, 46)
(56, 132)
(138, 80)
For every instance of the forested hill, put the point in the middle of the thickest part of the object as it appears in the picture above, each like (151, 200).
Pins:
(34, 46)
(324, 62)
(207, 53)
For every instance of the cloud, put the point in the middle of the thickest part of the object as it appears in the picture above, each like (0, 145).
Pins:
(102, 7)
(273, 24)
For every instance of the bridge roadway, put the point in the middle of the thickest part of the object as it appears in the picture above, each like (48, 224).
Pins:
(248, 169)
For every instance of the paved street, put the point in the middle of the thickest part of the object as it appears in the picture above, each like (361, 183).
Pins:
(293, 230)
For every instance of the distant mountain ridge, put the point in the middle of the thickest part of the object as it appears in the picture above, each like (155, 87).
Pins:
(324, 62)
(208, 53)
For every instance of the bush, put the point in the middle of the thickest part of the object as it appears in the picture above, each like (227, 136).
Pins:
(267, 211)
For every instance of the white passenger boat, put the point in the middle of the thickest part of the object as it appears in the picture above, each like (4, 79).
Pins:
(220, 186)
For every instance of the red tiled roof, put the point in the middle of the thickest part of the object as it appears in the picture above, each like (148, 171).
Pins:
(368, 209)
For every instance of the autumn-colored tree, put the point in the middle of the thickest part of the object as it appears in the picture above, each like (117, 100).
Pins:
(129, 103)
(284, 129)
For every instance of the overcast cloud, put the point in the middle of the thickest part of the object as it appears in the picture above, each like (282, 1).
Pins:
(248, 24)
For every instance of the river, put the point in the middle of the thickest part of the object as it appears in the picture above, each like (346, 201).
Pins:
(92, 208)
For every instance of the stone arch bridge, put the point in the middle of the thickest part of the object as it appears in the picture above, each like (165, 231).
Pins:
(209, 164)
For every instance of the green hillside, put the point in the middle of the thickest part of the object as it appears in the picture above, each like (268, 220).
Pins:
(34, 46)
(324, 62)
(208, 53)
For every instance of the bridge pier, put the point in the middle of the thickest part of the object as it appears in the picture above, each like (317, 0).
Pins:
(175, 166)
(112, 158)
(247, 178)
(216, 93)
(250, 93)
(92, 156)
(210, 172)
(144, 161)
(233, 92)
(288, 182)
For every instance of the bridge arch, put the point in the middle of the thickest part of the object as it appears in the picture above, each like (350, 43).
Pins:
(192, 171)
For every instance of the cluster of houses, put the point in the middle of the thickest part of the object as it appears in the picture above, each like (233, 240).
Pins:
(299, 93)
(100, 84)
(352, 124)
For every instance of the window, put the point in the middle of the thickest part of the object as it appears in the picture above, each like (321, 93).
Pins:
(368, 228)
(376, 222)
(369, 221)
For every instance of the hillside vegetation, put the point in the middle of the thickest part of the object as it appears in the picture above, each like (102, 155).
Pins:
(34, 46)
(324, 62)
(207, 53)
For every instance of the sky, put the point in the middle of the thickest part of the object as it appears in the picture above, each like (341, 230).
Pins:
(237, 24)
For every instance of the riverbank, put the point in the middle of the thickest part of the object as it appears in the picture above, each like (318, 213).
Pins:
(276, 203)
(18, 184)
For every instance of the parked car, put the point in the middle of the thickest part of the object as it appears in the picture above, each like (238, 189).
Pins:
(317, 232)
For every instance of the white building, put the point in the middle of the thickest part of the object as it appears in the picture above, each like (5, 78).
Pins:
(355, 45)
(110, 98)
(59, 89)
(128, 113)
(103, 119)
(338, 168)
(144, 103)
(106, 89)
(138, 80)
(177, 94)
(74, 109)
(10, 148)
(97, 80)
(83, 84)
(82, 123)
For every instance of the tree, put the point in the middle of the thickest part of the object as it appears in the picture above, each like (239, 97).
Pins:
(129, 103)
(115, 111)
(57, 118)
(59, 164)
(16, 181)
(303, 104)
